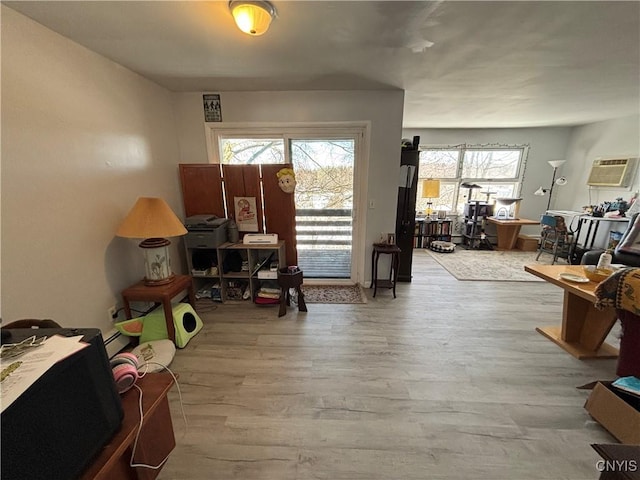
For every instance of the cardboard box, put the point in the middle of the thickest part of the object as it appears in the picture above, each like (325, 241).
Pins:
(617, 411)
(527, 243)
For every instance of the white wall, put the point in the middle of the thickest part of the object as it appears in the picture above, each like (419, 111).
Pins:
(82, 138)
(544, 144)
(613, 138)
(578, 145)
(619, 137)
(383, 109)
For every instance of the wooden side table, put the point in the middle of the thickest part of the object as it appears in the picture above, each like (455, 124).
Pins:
(287, 280)
(394, 251)
(508, 230)
(161, 295)
(156, 437)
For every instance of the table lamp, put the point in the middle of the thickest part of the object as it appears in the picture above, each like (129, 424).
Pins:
(152, 219)
(430, 190)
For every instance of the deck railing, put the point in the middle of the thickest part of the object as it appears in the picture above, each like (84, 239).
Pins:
(323, 237)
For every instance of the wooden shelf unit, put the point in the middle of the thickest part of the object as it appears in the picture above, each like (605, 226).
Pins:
(429, 230)
(232, 284)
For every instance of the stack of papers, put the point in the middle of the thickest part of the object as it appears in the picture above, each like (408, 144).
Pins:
(20, 372)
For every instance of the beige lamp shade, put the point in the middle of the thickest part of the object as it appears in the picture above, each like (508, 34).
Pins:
(430, 188)
(252, 17)
(151, 218)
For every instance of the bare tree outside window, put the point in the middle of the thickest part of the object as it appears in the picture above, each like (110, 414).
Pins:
(496, 170)
(239, 151)
(324, 170)
(324, 166)
(491, 163)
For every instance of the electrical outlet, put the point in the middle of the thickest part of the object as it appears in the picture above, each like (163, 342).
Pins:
(112, 312)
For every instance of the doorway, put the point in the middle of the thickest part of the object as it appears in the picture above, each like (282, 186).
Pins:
(324, 205)
(331, 174)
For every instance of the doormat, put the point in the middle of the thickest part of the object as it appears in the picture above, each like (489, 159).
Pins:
(333, 294)
(491, 265)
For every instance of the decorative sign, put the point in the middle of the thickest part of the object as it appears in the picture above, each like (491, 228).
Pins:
(246, 216)
(212, 109)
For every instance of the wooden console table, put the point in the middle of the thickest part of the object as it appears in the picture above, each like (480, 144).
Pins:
(160, 294)
(156, 437)
(584, 328)
(508, 230)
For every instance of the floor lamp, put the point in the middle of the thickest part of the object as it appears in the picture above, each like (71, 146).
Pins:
(430, 190)
(560, 181)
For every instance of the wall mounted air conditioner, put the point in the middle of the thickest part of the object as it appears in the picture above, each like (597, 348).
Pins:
(612, 172)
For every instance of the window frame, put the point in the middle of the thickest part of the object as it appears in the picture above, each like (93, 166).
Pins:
(457, 206)
(359, 131)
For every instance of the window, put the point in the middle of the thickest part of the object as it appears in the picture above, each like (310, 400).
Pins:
(324, 167)
(251, 151)
(497, 169)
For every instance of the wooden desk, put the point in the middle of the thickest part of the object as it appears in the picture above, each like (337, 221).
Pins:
(156, 437)
(584, 328)
(508, 230)
(161, 294)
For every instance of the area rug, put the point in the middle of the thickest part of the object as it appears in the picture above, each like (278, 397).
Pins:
(491, 265)
(333, 294)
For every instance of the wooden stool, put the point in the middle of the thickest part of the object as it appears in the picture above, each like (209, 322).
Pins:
(287, 280)
(394, 251)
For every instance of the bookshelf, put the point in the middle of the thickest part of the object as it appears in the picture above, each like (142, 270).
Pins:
(429, 230)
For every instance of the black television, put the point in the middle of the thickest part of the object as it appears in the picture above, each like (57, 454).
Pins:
(62, 422)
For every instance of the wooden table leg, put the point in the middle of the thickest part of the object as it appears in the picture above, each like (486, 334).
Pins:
(192, 294)
(127, 307)
(584, 329)
(283, 302)
(168, 317)
(302, 306)
(373, 254)
(374, 273)
(507, 236)
(395, 265)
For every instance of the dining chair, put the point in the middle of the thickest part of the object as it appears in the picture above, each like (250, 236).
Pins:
(556, 239)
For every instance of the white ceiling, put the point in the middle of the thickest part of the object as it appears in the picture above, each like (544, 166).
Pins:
(492, 64)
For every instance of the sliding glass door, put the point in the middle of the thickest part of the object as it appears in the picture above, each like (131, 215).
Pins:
(324, 205)
(326, 166)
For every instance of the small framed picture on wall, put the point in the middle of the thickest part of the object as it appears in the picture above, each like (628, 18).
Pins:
(212, 108)
(246, 214)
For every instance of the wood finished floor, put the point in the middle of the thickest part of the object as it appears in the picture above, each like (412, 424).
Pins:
(448, 381)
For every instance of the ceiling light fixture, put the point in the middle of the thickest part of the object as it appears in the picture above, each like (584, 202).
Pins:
(252, 16)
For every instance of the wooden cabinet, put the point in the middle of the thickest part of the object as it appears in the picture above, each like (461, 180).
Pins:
(156, 439)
